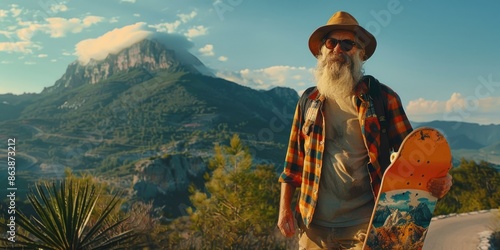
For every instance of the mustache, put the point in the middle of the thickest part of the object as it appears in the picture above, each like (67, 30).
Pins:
(339, 58)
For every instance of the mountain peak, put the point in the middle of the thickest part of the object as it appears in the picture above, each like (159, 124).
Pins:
(149, 55)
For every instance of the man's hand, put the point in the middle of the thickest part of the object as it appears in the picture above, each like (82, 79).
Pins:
(439, 187)
(286, 222)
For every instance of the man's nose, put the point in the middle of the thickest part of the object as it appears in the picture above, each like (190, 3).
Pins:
(338, 49)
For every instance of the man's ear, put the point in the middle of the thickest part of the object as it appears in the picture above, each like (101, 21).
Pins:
(362, 55)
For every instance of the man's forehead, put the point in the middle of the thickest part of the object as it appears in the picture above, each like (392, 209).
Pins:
(342, 33)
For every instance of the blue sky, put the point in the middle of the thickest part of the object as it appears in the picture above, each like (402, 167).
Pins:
(441, 58)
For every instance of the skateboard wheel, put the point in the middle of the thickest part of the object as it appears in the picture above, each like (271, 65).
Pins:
(393, 156)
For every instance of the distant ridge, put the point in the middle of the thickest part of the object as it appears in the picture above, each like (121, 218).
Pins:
(463, 135)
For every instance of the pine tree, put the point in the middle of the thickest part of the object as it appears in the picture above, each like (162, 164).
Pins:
(238, 209)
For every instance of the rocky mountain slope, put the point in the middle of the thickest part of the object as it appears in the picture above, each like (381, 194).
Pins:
(148, 55)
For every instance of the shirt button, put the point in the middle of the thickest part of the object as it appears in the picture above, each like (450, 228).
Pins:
(321, 142)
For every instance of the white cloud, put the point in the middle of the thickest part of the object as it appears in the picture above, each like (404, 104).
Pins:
(127, 1)
(422, 106)
(56, 26)
(187, 17)
(166, 27)
(174, 27)
(29, 63)
(285, 76)
(207, 50)
(59, 27)
(460, 104)
(42, 55)
(196, 31)
(113, 19)
(7, 34)
(15, 10)
(24, 47)
(3, 13)
(26, 33)
(136, 15)
(111, 43)
(490, 104)
(222, 58)
(58, 7)
(457, 108)
(91, 20)
(456, 103)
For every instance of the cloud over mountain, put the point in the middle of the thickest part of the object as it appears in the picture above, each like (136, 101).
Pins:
(111, 42)
(174, 33)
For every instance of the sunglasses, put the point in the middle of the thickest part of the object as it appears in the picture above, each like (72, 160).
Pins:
(345, 44)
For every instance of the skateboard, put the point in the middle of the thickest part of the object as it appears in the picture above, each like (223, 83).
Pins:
(404, 207)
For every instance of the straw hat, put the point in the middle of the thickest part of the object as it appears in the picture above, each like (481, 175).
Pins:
(343, 21)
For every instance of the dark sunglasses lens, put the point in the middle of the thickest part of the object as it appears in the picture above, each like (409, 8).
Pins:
(331, 43)
(346, 45)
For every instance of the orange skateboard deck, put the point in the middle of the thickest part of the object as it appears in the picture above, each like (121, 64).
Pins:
(404, 208)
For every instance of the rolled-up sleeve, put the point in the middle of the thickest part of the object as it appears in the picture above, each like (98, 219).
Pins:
(294, 160)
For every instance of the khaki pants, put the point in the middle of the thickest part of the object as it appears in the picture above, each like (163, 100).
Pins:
(318, 237)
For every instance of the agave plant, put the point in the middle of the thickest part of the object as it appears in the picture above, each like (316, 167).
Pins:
(65, 218)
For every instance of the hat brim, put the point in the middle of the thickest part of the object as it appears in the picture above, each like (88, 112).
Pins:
(366, 39)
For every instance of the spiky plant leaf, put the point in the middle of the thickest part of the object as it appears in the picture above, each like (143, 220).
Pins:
(62, 214)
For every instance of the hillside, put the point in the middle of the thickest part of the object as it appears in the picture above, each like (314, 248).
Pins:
(158, 108)
(105, 108)
(169, 107)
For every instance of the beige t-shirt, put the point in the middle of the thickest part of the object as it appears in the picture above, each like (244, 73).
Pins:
(345, 196)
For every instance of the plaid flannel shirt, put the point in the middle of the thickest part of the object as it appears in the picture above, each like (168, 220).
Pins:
(306, 145)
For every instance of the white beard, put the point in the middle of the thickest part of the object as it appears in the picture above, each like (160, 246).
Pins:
(337, 74)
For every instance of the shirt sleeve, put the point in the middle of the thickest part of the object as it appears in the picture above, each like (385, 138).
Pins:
(399, 125)
(294, 160)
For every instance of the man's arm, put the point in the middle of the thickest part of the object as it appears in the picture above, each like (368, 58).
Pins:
(291, 176)
(286, 222)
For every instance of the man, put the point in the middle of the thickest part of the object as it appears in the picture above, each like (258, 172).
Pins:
(334, 156)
